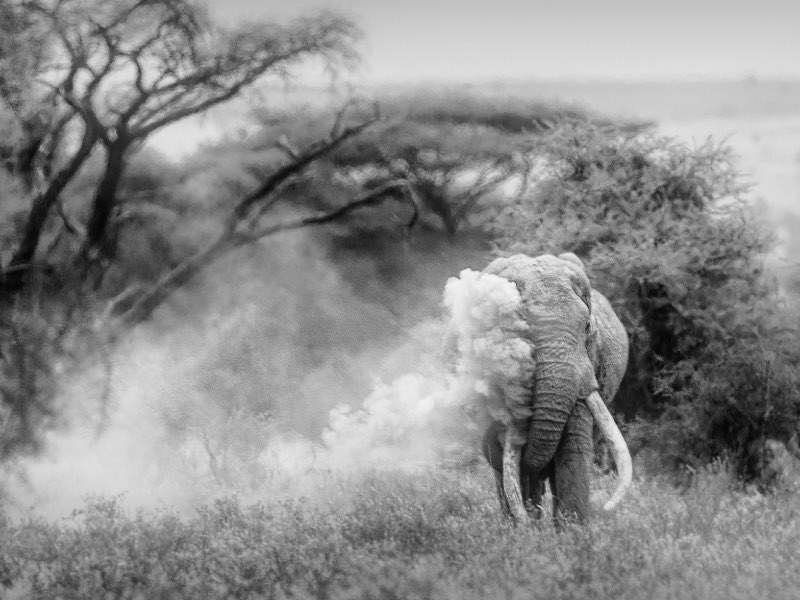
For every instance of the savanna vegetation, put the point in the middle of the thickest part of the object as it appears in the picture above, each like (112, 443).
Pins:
(102, 237)
(415, 537)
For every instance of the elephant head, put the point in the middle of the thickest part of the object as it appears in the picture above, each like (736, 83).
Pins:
(580, 350)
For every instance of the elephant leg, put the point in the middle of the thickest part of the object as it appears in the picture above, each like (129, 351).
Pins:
(571, 468)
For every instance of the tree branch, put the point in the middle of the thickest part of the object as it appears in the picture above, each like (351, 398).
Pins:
(484, 184)
(69, 224)
(284, 144)
(179, 276)
(305, 157)
(376, 196)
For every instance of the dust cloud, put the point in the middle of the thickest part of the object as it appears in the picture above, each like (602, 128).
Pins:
(487, 339)
(269, 375)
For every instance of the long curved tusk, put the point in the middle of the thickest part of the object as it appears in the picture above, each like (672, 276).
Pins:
(619, 449)
(512, 459)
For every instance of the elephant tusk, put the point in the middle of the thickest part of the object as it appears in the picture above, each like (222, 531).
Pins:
(512, 459)
(619, 449)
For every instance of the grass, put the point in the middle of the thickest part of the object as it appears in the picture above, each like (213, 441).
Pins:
(422, 536)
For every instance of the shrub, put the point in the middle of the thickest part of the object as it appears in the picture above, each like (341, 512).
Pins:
(395, 536)
(667, 235)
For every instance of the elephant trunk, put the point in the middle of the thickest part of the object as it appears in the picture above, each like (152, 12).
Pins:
(555, 394)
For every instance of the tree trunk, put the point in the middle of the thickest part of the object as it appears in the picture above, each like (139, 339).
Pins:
(106, 196)
(14, 275)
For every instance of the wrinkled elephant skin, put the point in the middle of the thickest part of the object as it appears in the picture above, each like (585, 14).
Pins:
(581, 352)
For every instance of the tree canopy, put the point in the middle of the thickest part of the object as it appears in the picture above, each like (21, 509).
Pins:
(119, 71)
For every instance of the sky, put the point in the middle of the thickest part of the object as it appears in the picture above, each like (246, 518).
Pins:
(483, 40)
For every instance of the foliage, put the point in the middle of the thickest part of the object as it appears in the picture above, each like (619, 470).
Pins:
(119, 72)
(47, 333)
(423, 536)
(667, 235)
(509, 114)
(115, 73)
(459, 151)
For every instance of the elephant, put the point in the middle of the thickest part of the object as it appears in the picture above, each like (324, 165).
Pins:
(580, 352)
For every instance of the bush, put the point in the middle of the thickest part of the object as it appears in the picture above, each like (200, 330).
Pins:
(413, 536)
(667, 235)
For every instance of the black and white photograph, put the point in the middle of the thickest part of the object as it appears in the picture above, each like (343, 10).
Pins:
(371, 299)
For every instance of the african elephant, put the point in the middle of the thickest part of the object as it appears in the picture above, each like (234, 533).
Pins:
(580, 354)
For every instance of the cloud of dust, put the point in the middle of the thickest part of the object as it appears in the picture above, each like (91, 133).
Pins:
(487, 337)
(266, 389)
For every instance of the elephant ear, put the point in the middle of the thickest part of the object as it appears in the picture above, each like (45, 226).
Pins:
(578, 278)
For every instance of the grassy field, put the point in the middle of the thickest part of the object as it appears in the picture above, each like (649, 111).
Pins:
(435, 535)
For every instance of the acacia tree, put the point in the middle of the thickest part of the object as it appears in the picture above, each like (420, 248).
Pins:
(111, 74)
(127, 68)
(451, 167)
(248, 221)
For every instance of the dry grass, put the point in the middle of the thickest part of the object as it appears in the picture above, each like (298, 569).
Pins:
(401, 536)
